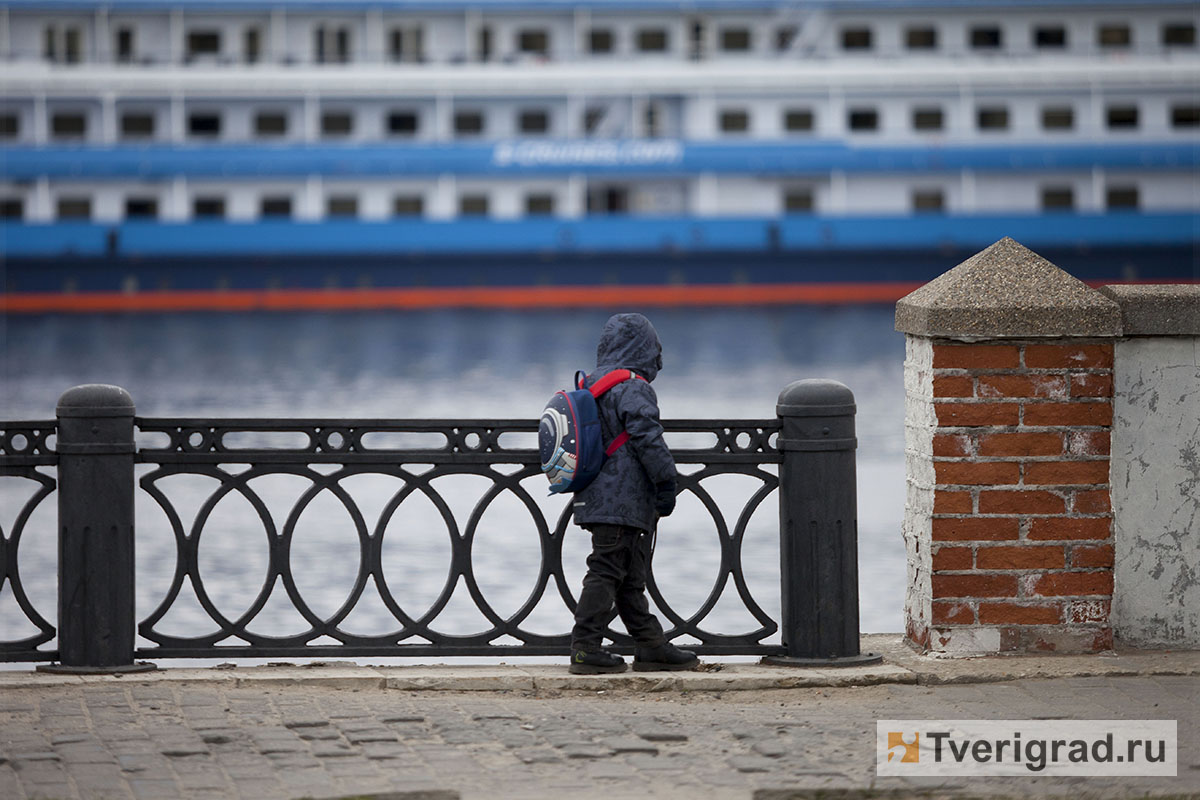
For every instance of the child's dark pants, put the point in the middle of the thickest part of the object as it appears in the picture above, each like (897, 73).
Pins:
(617, 570)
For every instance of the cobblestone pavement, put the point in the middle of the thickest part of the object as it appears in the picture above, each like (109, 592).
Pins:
(129, 739)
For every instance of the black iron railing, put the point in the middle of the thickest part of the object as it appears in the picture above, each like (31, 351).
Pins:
(92, 446)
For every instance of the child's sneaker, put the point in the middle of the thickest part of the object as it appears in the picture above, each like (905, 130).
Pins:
(665, 657)
(584, 662)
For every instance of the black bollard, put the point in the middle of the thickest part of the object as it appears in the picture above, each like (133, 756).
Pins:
(818, 527)
(96, 615)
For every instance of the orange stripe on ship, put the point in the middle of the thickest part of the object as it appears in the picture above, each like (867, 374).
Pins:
(517, 297)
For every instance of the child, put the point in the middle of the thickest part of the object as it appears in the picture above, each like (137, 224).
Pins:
(621, 507)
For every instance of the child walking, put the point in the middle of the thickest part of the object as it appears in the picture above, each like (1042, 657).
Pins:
(621, 507)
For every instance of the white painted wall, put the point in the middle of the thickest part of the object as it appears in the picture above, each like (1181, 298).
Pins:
(1156, 490)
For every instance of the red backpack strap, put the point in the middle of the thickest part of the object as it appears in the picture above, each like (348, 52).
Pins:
(612, 379)
(603, 385)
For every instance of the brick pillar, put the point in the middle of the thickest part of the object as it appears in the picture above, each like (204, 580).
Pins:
(1008, 523)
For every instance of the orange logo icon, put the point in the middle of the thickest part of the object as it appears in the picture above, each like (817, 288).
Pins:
(908, 751)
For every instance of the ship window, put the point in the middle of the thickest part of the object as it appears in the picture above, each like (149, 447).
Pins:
(74, 208)
(540, 204)
(736, 40)
(784, 37)
(863, 119)
(1185, 116)
(928, 119)
(62, 45)
(473, 205)
(1179, 34)
(483, 43)
(205, 124)
(124, 45)
(403, 123)
(992, 118)
(252, 45)
(533, 42)
(137, 125)
(468, 123)
(1050, 36)
(600, 40)
(856, 39)
(1058, 198)
(68, 125)
(10, 126)
(1122, 117)
(12, 208)
(798, 120)
(141, 208)
(1057, 118)
(1123, 197)
(535, 121)
(592, 117)
(337, 123)
(408, 44)
(921, 38)
(270, 123)
(331, 45)
(986, 37)
(203, 43)
(208, 208)
(734, 121)
(652, 40)
(342, 205)
(408, 205)
(276, 206)
(928, 201)
(696, 39)
(799, 200)
(1114, 35)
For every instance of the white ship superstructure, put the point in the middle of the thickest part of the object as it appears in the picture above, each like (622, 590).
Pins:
(176, 112)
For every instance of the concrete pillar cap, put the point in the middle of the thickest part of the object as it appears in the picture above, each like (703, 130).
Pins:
(1007, 291)
(815, 397)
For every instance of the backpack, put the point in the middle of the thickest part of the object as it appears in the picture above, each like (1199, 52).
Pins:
(569, 439)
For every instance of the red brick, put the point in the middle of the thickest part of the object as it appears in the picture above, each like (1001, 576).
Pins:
(1089, 443)
(1020, 557)
(1018, 502)
(952, 558)
(952, 502)
(953, 614)
(950, 415)
(1092, 501)
(1095, 413)
(1013, 614)
(975, 529)
(993, 473)
(947, 444)
(1084, 611)
(953, 386)
(1062, 473)
(976, 356)
(1092, 556)
(1022, 386)
(1061, 528)
(1060, 584)
(1041, 356)
(1091, 385)
(975, 585)
(1021, 444)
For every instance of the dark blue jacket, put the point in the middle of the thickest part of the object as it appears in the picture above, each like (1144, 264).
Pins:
(623, 492)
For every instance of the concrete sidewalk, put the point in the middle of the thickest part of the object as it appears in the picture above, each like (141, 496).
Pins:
(743, 731)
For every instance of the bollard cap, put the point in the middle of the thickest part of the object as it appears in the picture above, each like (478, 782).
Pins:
(815, 397)
(96, 400)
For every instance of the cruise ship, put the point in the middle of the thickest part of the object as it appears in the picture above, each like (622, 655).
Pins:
(163, 154)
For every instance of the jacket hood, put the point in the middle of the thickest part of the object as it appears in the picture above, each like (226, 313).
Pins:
(629, 341)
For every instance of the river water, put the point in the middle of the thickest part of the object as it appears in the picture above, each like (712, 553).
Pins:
(719, 363)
